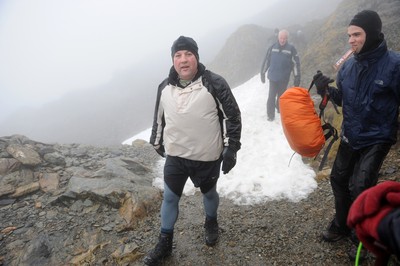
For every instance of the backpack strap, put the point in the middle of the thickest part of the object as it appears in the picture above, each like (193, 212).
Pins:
(329, 131)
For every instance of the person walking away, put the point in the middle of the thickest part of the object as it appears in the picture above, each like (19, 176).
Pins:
(274, 38)
(368, 89)
(300, 41)
(280, 61)
(197, 126)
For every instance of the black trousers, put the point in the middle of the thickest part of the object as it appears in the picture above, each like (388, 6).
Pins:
(353, 172)
(276, 89)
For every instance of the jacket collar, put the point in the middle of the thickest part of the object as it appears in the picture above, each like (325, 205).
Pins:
(173, 75)
(372, 55)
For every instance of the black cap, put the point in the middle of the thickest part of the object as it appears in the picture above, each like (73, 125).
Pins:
(185, 43)
(371, 23)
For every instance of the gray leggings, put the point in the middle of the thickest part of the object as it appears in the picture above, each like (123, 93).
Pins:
(170, 207)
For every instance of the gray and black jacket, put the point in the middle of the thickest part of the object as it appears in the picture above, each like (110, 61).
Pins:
(197, 121)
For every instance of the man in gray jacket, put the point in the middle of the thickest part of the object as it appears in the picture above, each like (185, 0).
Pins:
(281, 59)
(197, 126)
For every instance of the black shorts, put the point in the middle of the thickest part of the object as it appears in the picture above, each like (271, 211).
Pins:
(203, 174)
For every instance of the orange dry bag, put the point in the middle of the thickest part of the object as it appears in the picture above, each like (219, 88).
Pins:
(302, 125)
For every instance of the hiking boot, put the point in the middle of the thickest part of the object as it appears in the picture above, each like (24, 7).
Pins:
(162, 249)
(333, 233)
(352, 253)
(211, 232)
(270, 119)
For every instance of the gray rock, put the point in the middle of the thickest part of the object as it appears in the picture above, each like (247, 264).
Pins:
(38, 252)
(24, 154)
(55, 158)
(8, 165)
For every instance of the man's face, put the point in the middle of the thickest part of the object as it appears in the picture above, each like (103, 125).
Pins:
(185, 64)
(282, 37)
(357, 37)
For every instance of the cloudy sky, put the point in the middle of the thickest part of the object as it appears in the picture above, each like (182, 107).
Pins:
(50, 46)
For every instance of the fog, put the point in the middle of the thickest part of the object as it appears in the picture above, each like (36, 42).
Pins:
(48, 47)
(86, 71)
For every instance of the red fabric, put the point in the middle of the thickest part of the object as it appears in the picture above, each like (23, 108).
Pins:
(369, 208)
(367, 231)
(369, 203)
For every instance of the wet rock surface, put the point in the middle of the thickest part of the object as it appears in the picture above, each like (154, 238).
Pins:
(83, 205)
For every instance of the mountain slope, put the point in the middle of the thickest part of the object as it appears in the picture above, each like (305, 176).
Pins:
(329, 43)
(325, 41)
(239, 57)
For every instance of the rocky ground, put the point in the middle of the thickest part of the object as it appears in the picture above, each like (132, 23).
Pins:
(88, 233)
(274, 233)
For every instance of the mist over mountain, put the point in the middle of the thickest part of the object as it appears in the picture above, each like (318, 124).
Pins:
(115, 111)
(103, 115)
(324, 40)
(286, 12)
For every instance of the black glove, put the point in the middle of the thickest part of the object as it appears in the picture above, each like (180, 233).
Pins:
(228, 159)
(263, 77)
(296, 81)
(160, 150)
(321, 82)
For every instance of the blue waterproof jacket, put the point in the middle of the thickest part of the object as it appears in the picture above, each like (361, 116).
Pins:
(280, 61)
(369, 92)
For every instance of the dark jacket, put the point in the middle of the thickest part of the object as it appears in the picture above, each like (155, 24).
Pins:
(195, 122)
(369, 91)
(280, 61)
(389, 231)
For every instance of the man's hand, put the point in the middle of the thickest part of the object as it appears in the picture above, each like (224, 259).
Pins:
(321, 82)
(228, 159)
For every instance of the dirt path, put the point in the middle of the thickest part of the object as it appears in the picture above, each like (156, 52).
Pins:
(274, 233)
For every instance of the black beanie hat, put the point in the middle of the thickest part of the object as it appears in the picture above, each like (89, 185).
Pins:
(371, 23)
(185, 43)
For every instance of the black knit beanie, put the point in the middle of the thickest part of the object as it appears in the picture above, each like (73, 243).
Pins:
(371, 23)
(185, 43)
